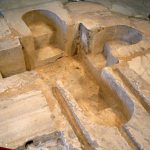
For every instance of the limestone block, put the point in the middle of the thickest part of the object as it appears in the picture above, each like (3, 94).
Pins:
(5, 31)
(11, 57)
(140, 86)
(137, 128)
(141, 66)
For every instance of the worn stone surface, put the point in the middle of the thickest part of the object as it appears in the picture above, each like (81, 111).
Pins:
(137, 126)
(48, 55)
(127, 7)
(56, 14)
(11, 54)
(11, 57)
(137, 75)
(53, 140)
(92, 130)
(5, 31)
(140, 65)
(4, 5)
(28, 109)
(101, 107)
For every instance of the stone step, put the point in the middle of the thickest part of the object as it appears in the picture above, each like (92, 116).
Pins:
(48, 54)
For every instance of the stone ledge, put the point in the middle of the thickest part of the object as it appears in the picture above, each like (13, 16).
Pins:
(137, 127)
(11, 57)
(138, 84)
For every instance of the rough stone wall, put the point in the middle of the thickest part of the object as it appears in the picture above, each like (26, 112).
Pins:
(7, 4)
(136, 8)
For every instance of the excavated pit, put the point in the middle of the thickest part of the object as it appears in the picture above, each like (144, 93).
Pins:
(96, 107)
(96, 100)
(96, 104)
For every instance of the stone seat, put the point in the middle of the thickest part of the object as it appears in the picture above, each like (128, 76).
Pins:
(42, 34)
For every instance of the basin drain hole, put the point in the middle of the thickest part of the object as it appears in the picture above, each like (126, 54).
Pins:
(28, 143)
